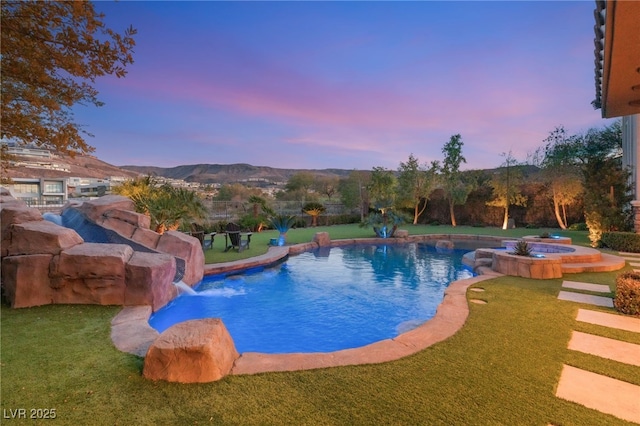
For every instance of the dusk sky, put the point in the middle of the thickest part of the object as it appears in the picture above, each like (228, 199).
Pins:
(349, 85)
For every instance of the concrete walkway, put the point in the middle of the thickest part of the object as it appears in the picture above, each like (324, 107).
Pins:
(605, 394)
(632, 258)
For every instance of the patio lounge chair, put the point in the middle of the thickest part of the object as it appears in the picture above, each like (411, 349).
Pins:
(198, 232)
(237, 239)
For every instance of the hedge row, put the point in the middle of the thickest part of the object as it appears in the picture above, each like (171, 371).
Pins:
(621, 241)
(627, 298)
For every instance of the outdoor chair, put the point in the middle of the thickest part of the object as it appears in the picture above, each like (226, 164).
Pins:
(198, 232)
(237, 239)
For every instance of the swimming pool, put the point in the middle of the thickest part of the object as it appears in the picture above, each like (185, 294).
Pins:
(324, 300)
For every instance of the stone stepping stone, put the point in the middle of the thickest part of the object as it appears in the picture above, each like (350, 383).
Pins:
(634, 264)
(631, 258)
(597, 288)
(626, 253)
(601, 393)
(586, 298)
(609, 320)
(604, 347)
(478, 301)
(477, 289)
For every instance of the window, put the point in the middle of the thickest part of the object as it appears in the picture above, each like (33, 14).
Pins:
(52, 186)
(52, 199)
(26, 188)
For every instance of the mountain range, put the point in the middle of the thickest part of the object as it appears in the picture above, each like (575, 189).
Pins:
(92, 167)
(89, 166)
(230, 173)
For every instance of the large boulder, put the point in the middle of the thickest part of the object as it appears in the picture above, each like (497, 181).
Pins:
(322, 239)
(187, 248)
(25, 280)
(146, 237)
(40, 237)
(196, 351)
(13, 211)
(123, 222)
(149, 278)
(94, 209)
(90, 273)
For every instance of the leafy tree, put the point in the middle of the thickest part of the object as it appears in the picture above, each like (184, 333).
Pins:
(300, 184)
(382, 189)
(506, 187)
(560, 173)
(236, 192)
(607, 201)
(354, 191)
(326, 185)
(456, 190)
(415, 185)
(52, 53)
(5, 161)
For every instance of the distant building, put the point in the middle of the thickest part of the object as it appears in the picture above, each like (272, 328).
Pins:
(88, 187)
(39, 192)
(27, 151)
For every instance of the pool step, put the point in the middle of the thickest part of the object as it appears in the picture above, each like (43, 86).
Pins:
(607, 263)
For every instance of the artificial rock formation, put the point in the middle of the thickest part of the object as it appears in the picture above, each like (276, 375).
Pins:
(115, 212)
(196, 351)
(44, 263)
(322, 239)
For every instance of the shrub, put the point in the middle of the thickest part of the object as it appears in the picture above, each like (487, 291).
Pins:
(522, 248)
(221, 226)
(621, 241)
(344, 219)
(282, 222)
(578, 227)
(255, 224)
(627, 298)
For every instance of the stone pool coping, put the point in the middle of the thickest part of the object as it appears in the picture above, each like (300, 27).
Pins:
(132, 333)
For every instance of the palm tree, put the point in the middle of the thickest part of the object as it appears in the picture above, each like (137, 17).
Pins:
(314, 210)
(167, 207)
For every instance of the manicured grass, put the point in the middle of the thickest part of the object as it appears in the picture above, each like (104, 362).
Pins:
(260, 240)
(501, 368)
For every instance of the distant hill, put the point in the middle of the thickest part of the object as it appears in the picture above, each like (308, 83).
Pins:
(57, 166)
(89, 166)
(230, 173)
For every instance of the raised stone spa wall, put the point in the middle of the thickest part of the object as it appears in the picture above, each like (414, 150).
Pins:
(44, 263)
(556, 259)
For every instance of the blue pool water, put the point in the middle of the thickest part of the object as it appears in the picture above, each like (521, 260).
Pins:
(325, 300)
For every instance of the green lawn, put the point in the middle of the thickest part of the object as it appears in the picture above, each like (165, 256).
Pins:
(260, 240)
(500, 369)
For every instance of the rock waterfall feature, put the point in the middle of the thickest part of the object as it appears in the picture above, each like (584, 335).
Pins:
(113, 258)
